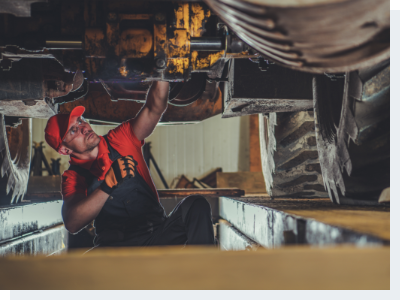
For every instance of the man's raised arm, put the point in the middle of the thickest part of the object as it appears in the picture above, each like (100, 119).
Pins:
(156, 104)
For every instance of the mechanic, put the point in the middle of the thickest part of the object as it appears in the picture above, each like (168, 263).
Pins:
(109, 182)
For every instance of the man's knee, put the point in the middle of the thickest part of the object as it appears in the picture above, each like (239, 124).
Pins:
(195, 205)
(201, 203)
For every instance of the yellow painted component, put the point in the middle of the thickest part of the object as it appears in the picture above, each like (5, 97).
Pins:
(179, 45)
(196, 19)
(208, 61)
(194, 59)
(160, 38)
(111, 30)
(177, 65)
(244, 54)
(135, 17)
(94, 39)
(215, 56)
(135, 43)
(182, 16)
(123, 71)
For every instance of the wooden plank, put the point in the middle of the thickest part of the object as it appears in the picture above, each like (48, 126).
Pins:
(250, 182)
(211, 178)
(184, 183)
(204, 192)
(43, 196)
(255, 156)
(174, 268)
(163, 193)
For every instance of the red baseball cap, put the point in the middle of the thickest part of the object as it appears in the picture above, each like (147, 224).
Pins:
(57, 127)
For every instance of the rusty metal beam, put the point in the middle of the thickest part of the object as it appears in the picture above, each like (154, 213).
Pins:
(170, 193)
(276, 89)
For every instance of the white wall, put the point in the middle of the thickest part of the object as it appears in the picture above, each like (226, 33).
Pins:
(192, 149)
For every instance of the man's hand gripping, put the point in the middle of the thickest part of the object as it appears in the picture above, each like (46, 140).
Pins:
(121, 169)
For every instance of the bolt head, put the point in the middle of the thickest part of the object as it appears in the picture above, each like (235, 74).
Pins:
(112, 16)
(160, 63)
(159, 17)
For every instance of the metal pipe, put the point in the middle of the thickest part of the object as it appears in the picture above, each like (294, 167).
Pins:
(58, 44)
(207, 43)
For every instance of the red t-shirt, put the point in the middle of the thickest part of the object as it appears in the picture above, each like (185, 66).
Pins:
(121, 139)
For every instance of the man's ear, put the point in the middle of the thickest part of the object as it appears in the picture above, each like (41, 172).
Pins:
(64, 150)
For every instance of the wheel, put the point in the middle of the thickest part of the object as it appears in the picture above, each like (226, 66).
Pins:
(314, 36)
(15, 158)
(353, 134)
(289, 155)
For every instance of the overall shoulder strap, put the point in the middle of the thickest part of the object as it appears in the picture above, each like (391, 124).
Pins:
(114, 154)
(82, 171)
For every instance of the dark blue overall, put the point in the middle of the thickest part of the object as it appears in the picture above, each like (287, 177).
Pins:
(133, 216)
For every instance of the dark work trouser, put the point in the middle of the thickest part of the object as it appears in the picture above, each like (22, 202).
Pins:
(189, 223)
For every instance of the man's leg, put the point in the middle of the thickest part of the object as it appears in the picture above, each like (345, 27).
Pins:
(190, 222)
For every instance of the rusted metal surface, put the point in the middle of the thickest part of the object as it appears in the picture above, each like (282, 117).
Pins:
(100, 107)
(50, 241)
(24, 81)
(232, 239)
(252, 91)
(318, 37)
(41, 109)
(285, 222)
(21, 219)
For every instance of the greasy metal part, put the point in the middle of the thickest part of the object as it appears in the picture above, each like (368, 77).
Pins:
(24, 81)
(11, 54)
(42, 109)
(100, 107)
(252, 91)
(21, 219)
(353, 136)
(190, 91)
(320, 37)
(60, 45)
(15, 157)
(232, 239)
(50, 241)
(207, 44)
(22, 90)
(241, 107)
(278, 225)
(123, 42)
(135, 91)
(18, 8)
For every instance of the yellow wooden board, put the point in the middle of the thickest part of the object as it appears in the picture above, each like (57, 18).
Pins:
(190, 268)
(250, 182)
